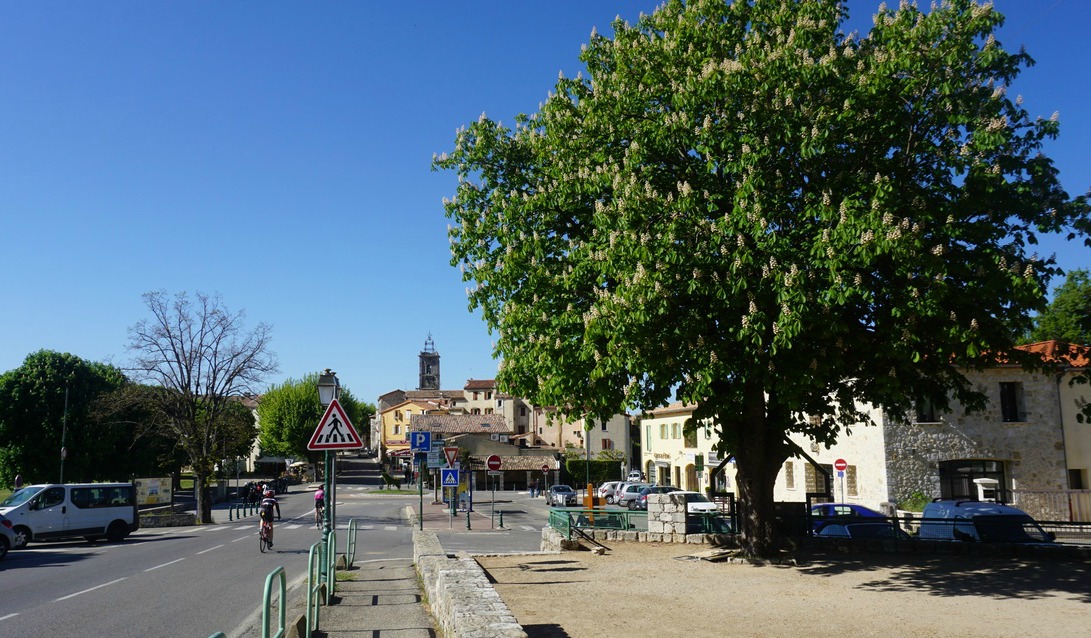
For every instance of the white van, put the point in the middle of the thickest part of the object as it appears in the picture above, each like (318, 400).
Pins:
(90, 510)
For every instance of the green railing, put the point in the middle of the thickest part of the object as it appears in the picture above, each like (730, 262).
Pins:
(563, 520)
(314, 586)
(350, 546)
(265, 604)
(331, 565)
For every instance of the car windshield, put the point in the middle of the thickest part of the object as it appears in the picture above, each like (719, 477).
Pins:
(562, 488)
(696, 498)
(20, 497)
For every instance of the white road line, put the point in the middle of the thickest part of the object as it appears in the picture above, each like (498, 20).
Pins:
(177, 560)
(528, 528)
(391, 528)
(241, 538)
(297, 526)
(205, 551)
(217, 528)
(90, 589)
(366, 527)
(8, 616)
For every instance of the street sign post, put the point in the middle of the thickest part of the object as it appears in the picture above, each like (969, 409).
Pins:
(335, 431)
(493, 463)
(841, 465)
(420, 441)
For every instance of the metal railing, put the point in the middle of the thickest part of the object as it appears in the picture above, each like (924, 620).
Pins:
(350, 544)
(265, 603)
(563, 520)
(315, 560)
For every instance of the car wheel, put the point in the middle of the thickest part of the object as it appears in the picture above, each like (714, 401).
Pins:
(22, 536)
(609, 500)
(632, 506)
(116, 531)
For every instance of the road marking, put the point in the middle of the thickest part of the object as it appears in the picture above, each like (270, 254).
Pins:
(241, 527)
(90, 589)
(294, 526)
(529, 528)
(8, 616)
(217, 528)
(391, 528)
(177, 560)
(205, 551)
(241, 538)
(366, 527)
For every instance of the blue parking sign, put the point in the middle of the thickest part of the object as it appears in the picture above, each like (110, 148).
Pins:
(420, 441)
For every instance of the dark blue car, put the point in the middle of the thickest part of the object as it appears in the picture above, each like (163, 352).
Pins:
(823, 514)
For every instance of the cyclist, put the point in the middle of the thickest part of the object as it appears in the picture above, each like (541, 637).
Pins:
(319, 505)
(265, 511)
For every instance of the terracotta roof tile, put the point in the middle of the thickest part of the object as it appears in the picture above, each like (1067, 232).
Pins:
(459, 423)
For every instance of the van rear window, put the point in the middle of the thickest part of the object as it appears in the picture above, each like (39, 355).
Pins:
(106, 496)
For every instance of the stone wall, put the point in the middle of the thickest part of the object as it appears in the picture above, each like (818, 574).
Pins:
(462, 600)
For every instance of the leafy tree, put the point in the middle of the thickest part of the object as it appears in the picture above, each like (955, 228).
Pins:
(1068, 317)
(200, 361)
(33, 421)
(744, 206)
(288, 415)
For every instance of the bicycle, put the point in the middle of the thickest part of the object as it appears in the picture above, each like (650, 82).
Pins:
(318, 510)
(263, 536)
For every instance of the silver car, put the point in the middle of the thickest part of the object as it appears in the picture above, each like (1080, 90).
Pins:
(607, 490)
(7, 536)
(628, 492)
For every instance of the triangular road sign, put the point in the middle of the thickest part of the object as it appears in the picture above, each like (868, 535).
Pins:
(451, 453)
(335, 431)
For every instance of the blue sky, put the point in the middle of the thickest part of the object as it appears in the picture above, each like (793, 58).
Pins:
(279, 153)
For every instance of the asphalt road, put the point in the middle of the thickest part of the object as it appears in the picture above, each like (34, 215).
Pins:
(195, 581)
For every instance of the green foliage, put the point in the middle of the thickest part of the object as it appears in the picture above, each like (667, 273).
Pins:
(915, 502)
(289, 413)
(744, 206)
(33, 421)
(1068, 317)
(601, 471)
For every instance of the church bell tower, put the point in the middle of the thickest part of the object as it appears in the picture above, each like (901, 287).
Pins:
(429, 366)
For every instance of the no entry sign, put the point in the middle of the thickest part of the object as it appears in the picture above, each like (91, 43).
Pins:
(493, 462)
(840, 465)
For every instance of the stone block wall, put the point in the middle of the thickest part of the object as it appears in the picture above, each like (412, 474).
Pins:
(461, 598)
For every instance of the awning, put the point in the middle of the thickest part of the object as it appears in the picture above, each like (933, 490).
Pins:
(405, 452)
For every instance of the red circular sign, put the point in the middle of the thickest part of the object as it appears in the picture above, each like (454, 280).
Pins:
(493, 462)
(545, 468)
(840, 465)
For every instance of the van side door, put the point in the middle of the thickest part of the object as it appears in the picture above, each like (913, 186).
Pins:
(49, 513)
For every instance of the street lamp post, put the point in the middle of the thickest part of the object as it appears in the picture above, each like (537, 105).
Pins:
(329, 389)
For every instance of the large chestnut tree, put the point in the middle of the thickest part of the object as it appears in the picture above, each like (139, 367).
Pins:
(743, 206)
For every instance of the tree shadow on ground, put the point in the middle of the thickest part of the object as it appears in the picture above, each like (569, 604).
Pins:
(945, 575)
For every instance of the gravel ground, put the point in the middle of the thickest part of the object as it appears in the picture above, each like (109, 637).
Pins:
(652, 589)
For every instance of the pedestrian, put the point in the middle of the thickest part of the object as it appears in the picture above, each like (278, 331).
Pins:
(534, 488)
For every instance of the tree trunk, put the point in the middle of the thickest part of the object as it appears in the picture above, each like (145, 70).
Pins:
(202, 504)
(760, 454)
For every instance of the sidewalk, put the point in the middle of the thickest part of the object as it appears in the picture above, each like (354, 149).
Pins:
(384, 598)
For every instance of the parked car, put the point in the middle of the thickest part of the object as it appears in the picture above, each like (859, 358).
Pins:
(562, 495)
(823, 514)
(607, 490)
(635, 476)
(698, 503)
(7, 536)
(980, 521)
(641, 502)
(628, 492)
(863, 530)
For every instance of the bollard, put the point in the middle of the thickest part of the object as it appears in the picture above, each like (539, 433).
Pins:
(230, 512)
(501, 518)
(467, 519)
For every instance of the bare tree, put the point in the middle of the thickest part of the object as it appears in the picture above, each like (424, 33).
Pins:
(202, 359)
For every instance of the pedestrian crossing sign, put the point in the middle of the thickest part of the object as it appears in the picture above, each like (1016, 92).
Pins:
(335, 431)
(448, 477)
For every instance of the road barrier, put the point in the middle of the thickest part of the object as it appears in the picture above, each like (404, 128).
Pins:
(314, 587)
(350, 547)
(279, 571)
